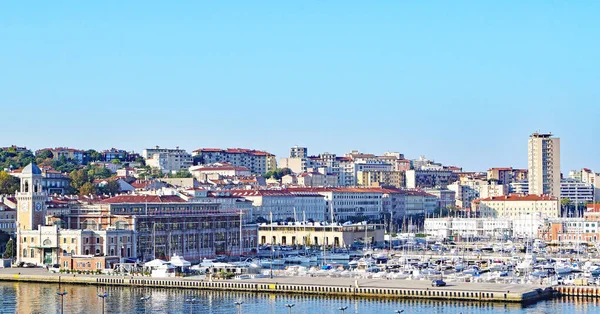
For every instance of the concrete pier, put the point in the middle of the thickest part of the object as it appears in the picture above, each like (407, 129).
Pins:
(412, 289)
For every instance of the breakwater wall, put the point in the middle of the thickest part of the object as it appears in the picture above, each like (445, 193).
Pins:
(470, 292)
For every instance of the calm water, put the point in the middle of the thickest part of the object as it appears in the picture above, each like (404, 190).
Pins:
(42, 298)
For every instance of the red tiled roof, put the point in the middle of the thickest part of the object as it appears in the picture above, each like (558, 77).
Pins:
(501, 169)
(233, 151)
(223, 168)
(144, 199)
(518, 197)
(243, 193)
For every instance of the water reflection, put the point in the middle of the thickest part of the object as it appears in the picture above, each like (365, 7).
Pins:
(42, 298)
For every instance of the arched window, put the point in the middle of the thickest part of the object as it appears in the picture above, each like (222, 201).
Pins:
(87, 251)
(24, 252)
(97, 251)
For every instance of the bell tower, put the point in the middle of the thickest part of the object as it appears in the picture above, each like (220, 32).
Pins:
(31, 200)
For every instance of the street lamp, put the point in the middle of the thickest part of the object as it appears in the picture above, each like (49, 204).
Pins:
(290, 306)
(145, 299)
(61, 294)
(191, 301)
(103, 296)
(343, 308)
(239, 306)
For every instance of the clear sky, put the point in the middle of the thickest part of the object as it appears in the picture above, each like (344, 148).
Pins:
(462, 82)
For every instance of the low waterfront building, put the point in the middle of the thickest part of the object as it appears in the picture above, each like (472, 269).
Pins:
(515, 205)
(309, 234)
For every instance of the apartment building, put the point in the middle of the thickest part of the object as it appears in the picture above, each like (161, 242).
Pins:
(544, 164)
(371, 178)
(515, 205)
(66, 152)
(430, 178)
(259, 162)
(202, 172)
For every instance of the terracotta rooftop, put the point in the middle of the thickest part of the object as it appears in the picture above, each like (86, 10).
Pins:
(121, 199)
(519, 197)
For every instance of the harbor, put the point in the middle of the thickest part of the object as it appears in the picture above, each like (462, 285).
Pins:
(512, 293)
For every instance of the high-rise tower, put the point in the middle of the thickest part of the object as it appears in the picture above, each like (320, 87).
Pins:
(544, 164)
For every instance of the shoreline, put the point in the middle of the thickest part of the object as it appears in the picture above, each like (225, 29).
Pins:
(388, 289)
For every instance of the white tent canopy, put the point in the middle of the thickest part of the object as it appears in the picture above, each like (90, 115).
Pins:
(155, 263)
(178, 261)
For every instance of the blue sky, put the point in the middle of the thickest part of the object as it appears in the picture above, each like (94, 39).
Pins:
(463, 82)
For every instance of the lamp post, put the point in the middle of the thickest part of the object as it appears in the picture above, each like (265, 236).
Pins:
(343, 308)
(191, 301)
(239, 306)
(290, 306)
(62, 295)
(145, 299)
(103, 296)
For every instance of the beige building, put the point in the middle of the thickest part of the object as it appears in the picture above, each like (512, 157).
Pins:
(515, 205)
(544, 165)
(380, 178)
(316, 234)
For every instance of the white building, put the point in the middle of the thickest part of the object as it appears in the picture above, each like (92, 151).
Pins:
(259, 162)
(216, 170)
(269, 204)
(345, 203)
(167, 160)
(516, 205)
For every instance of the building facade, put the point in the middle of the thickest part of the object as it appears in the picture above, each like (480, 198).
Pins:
(259, 162)
(515, 205)
(544, 165)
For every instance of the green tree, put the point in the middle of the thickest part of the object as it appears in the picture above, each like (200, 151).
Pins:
(92, 155)
(565, 205)
(181, 174)
(11, 249)
(78, 179)
(88, 188)
(115, 161)
(112, 187)
(45, 154)
(97, 172)
(8, 183)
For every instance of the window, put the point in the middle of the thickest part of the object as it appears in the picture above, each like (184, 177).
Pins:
(24, 252)
(32, 253)
(64, 240)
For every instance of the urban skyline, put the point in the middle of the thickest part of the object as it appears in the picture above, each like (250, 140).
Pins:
(333, 77)
(523, 164)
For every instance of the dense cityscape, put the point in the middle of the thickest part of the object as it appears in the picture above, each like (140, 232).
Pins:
(285, 157)
(111, 206)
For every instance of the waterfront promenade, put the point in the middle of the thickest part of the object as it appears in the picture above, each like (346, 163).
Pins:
(413, 289)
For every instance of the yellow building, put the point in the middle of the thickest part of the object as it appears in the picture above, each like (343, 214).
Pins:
(380, 178)
(310, 234)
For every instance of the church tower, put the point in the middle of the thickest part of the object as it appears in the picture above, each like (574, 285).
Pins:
(31, 200)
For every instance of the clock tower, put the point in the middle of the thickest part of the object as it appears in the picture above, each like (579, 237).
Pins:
(31, 200)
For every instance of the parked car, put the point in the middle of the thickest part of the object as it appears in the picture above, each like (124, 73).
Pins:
(438, 283)
(54, 268)
(29, 265)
